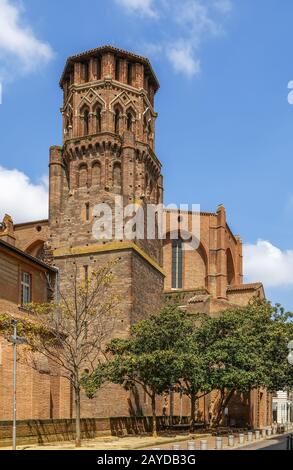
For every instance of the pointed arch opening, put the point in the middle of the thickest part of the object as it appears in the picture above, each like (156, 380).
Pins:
(130, 119)
(230, 268)
(98, 118)
(85, 120)
(36, 249)
(117, 119)
(185, 262)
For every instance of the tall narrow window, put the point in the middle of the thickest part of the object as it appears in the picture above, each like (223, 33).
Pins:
(129, 73)
(86, 273)
(129, 122)
(117, 70)
(176, 264)
(87, 211)
(26, 288)
(86, 121)
(98, 120)
(117, 121)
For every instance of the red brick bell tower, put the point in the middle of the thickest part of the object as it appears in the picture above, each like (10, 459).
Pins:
(108, 151)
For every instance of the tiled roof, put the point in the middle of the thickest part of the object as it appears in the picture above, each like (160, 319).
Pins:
(243, 287)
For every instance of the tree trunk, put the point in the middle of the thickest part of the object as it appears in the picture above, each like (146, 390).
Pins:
(223, 404)
(77, 416)
(155, 434)
(192, 410)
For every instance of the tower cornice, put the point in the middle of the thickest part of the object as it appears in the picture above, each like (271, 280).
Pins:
(108, 48)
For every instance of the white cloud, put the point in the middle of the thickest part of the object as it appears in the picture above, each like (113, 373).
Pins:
(19, 47)
(142, 7)
(183, 26)
(182, 58)
(267, 263)
(21, 198)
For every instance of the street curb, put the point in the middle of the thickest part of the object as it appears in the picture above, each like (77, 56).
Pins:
(176, 439)
(248, 444)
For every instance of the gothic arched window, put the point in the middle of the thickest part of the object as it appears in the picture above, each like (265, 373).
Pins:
(117, 121)
(129, 121)
(86, 121)
(230, 268)
(177, 264)
(98, 119)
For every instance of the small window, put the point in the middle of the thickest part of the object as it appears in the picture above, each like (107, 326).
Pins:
(26, 288)
(117, 121)
(129, 122)
(86, 273)
(98, 120)
(87, 211)
(86, 120)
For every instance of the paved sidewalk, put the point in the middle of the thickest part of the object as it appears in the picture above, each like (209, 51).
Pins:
(111, 443)
(147, 443)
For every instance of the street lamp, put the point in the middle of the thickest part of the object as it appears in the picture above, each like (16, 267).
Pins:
(15, 340)
(290, 355)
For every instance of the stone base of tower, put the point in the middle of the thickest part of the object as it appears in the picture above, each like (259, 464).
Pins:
(138, 280)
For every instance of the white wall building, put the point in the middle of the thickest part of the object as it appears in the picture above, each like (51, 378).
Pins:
(282, 407)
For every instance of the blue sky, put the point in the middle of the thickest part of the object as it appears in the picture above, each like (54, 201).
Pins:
(225, 127)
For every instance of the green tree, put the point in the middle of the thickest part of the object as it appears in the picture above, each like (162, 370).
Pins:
(246, 349)
(74, 328)
(150, 358)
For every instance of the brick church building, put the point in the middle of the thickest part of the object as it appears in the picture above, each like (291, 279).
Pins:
(108, 150)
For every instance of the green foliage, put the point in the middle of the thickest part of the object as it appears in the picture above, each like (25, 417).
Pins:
(239, 349)
(28, 329)
(150, 356)
(247, 347)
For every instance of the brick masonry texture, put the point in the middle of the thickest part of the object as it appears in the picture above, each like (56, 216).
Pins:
(108, 150)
